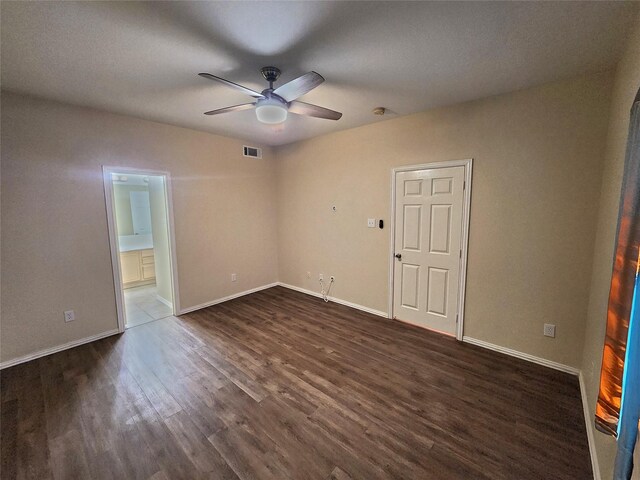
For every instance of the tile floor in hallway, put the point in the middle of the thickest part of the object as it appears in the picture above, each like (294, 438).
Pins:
(143, 306)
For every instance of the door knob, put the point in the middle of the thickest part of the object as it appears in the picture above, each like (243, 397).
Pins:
(399, 256)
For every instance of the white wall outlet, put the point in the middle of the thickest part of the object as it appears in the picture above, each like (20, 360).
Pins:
(308, 274)
(321, 277)
(371, 223)
(69, 316)
(234, 277)
(549, 330)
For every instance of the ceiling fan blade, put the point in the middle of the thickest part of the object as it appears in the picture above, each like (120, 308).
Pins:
(235, 108)
(309, 110)
(299, 86)
(246, 90)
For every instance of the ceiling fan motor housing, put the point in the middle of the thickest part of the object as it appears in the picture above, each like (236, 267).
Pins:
(270, 74)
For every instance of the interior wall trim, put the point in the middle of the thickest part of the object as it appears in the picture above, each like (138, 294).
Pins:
(165, 301)
(524, 356)
(373, 311)
(59, 348)
(589, 425)
(227, 298)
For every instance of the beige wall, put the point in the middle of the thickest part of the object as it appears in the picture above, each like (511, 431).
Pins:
(159, 227)
(627, 82)
(55, 251)
(122, 203)
(537, 165)
(536, 181)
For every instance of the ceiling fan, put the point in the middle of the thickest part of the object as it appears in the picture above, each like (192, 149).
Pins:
(272, 105)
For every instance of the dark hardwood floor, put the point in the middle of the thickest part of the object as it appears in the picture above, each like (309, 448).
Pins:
(280, 385)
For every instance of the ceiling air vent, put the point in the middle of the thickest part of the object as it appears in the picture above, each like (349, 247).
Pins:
(252, 152)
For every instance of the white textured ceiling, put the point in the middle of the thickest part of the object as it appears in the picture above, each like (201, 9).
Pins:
(142, 59)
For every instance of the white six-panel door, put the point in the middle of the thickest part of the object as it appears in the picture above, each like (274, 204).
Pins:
(428, 240)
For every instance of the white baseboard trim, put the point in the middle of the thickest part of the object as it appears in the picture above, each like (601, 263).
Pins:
(588, 420)
(522, 355)
(336, 300)
(165, 301)
(59, 348)
(226, 299)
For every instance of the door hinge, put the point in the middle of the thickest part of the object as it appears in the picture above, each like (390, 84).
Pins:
(464, 184)
(460, 253)
(457, 317)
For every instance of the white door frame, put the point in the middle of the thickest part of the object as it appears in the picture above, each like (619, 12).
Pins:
(466, 206)
(113, 236)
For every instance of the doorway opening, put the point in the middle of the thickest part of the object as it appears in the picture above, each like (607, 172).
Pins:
(429, 240)
(140, 221)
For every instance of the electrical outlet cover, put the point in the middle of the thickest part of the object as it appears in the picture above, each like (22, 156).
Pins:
(549, 330)
(69, 316)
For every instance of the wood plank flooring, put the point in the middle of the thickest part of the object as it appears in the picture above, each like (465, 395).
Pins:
(280, 385)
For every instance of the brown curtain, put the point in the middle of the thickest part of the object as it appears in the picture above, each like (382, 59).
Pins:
(623, 280)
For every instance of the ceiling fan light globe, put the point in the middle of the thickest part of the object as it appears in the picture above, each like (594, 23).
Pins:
(271, 111)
